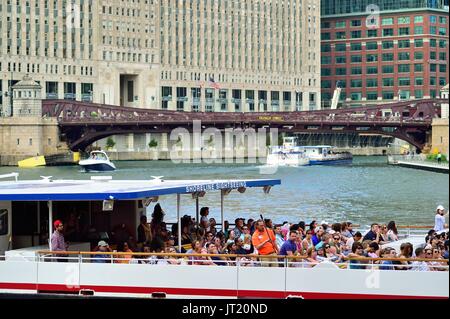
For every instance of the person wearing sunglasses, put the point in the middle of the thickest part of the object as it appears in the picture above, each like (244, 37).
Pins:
(437, 265)
(421, 265)
(357, 253)
(387, 264)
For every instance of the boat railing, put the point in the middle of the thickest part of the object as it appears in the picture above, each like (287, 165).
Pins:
(11, 175)
(237, 260)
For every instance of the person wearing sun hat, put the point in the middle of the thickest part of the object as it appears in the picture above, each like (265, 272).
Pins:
(439, 219)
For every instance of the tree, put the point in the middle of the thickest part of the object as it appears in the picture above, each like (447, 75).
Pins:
(110, 143)
(153, 144)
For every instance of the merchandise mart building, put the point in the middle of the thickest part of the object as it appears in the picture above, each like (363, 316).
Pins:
(399, 51)
(198, 55)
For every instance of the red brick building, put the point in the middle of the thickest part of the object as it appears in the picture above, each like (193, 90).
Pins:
(392, 55)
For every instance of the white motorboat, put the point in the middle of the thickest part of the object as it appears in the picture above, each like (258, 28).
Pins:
(287, 155)
(98, 161)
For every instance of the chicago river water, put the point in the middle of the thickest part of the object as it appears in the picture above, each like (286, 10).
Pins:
(368, 191)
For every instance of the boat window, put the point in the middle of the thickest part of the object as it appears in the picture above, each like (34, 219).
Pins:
(3, 222)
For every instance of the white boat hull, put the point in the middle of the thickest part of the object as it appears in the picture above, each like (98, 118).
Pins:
(97, 165)
(287, 160)
(136, 280)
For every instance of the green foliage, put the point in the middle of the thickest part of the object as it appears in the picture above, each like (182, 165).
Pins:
(433, 157)
(110, 143)
(153, 143)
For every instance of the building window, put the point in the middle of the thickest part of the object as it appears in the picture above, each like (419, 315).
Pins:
(418, 19)
(404, 20)
(402, 56)
(356, 59)
(371, 46)
(372, 58)
(403, 68)
(388, 57)
(388, 32)
(325, 48)
(388, 44)
(388, 95)
(433, 43)
(433, 19)
(388, 82)
(356, 23)
(325, 25)
(340, 47)
(418, 55)
(341, 59)
(372, 33)
(442, 31)
(325, 59)
(341, 71)
(418, 43)
(356, 96)
(356, 34)
(341, 24)
(326, 36)
(442, 56)
(371, 83)
(403, 31)
(404, 81)
(372, 70)
(442, 68)
(402, 44)
(418, 67)
(418, 94)
(356, 47)
(418, 30)
(356, 71)
(372, 96)
(387, 21)
(388, 69)
(443, 20)
(341, 35)
(433, 67)
(325, 72)
(356, 83)
(418, 81)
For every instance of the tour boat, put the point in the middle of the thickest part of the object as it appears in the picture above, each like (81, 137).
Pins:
(28, 267)
(98, 161)
(287, 155)
(326, 155)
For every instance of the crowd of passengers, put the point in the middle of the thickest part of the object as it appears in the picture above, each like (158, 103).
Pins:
(261, 242)
(248, 240)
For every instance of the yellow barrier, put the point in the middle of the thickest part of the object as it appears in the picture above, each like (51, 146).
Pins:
(32, 162)
(76, 157)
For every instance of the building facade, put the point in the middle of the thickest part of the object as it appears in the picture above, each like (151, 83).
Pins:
(383, 50)
(198, 55)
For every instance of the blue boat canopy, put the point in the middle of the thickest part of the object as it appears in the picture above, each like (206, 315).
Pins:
(88, 190)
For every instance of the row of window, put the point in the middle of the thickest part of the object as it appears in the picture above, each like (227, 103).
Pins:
(384, 32)
(358, 46)
(385, 95)
(385, 69)
(49, 68)
(385, 82)
(385, 21)
(385, 57)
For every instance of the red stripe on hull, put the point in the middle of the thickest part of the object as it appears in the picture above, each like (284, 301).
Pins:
(203, 292)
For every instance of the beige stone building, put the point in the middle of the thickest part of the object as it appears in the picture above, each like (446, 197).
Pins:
(200, 55)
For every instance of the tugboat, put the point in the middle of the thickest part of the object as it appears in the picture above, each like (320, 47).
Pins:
(98, 161)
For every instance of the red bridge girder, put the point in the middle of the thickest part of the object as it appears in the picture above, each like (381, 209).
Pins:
(84, 123)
